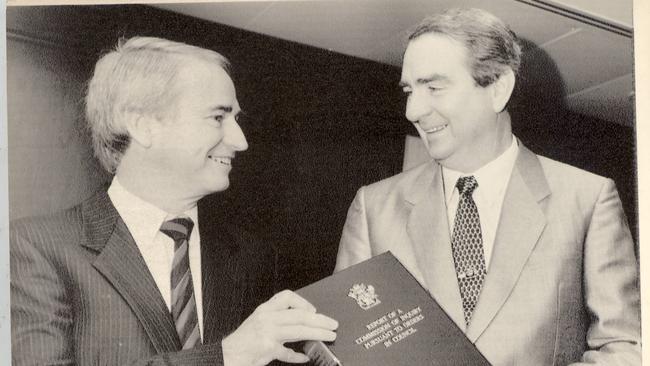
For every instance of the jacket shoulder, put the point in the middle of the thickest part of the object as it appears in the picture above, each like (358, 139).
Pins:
(399, 185)
(567, 177)
(59, 227)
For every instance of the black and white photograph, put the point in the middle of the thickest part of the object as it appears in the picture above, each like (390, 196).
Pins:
(324, 182)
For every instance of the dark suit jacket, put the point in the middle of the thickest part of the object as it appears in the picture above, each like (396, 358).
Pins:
(561, 287)
(81, 292)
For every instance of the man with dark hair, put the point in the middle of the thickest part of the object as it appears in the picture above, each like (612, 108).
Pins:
(532, 258)
(140, 274)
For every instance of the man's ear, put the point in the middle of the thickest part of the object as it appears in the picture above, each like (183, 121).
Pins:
(501, 90)
(140, 129)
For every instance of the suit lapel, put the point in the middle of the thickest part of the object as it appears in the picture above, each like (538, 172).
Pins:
(520, 226)
(428, 229)
(221, 267)
(121, 263)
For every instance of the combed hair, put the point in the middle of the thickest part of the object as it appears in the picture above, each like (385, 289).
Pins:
(137, 77)
(492, 46)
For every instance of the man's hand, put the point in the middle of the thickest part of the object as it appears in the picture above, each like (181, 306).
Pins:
(286, 317)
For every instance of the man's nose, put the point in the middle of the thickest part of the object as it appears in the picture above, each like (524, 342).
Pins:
(417, 106)
(234, 136)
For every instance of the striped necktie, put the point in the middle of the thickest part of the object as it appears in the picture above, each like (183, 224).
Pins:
(467, 247)
(184, 310)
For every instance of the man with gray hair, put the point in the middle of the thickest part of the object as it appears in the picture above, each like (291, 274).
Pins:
(141, 274)
(531, 258)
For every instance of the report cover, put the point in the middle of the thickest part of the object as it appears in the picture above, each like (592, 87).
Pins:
(385, 318)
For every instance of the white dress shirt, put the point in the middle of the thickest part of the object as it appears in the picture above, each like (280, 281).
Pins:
(143, 221)
(492, 179)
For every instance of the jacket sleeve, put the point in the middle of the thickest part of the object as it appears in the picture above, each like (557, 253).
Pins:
(355, 243)
(206, 355)
(41, 313)
(611, 285)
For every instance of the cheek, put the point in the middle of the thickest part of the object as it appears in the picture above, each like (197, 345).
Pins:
(451, 105)
(211, 136)
(469, 114)
(203, 141)
(423, 136)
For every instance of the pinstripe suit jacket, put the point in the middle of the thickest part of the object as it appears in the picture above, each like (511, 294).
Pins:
(81, 292)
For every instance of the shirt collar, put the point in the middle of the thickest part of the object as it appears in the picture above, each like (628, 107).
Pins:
(492, 177)
(141, 217)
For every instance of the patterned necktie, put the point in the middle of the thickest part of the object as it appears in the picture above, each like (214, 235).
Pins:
(184, 310)
(467, 247)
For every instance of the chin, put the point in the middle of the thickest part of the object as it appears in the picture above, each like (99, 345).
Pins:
(221, 187)
(439, 155)
(217, 187)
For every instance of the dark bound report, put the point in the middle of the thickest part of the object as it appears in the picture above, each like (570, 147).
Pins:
(385, 318)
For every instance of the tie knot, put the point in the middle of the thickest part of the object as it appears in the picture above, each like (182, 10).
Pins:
(178, 228)
(466, 185)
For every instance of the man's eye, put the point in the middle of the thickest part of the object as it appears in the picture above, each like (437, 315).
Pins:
(216, 120)
(407, 92)
(434, 88)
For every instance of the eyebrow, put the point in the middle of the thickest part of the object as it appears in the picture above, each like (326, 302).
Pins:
(222, 108)
(425, 80)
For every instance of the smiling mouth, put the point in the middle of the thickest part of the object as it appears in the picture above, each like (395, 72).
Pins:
(436, 129)
(225, 160)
